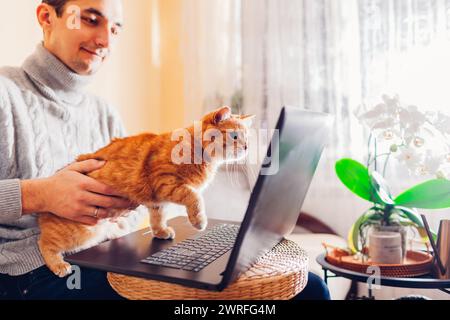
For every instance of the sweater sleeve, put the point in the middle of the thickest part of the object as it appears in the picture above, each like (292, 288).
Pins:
(10, 201)
(10, 192)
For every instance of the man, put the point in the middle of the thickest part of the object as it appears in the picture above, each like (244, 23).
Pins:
(46, 121)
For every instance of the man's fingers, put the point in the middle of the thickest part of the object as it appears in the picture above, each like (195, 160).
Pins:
(100, 188)
(98, 200)
(102, 213)
(86, 166)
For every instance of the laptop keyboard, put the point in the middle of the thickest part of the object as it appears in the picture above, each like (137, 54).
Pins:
(195, 254)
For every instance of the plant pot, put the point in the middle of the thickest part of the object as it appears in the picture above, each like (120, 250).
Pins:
(399, 229)
(385, 247)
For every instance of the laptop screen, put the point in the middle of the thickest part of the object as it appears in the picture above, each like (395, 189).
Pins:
(277, 198)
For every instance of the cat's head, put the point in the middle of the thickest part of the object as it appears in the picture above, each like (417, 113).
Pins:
(226, 135)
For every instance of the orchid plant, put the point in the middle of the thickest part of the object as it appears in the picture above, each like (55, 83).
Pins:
(419, 141)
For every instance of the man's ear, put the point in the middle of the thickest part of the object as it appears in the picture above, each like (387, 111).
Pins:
(44, 16)
(248, 120)
(221, 114)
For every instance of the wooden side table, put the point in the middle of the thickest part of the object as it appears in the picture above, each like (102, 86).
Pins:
(279, 275)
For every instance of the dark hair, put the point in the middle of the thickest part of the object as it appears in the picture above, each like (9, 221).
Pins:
(58, 5)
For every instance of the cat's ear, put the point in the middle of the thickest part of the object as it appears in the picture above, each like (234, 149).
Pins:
(221, 114)
(248, 120)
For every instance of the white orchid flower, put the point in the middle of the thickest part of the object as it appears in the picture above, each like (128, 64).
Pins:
(432, 163)
(386, 123)
(411, 119)
(392, 103)
(418, 141)
(363, 114)
(381, 116)
(410, 134)
(442, 123)
(390, 136)
(410, 157)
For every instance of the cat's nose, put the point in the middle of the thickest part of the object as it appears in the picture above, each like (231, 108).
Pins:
(245, 147)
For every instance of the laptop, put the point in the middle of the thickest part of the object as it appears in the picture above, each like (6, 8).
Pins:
(214, 258)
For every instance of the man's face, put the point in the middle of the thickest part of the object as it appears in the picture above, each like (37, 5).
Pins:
(84, 42)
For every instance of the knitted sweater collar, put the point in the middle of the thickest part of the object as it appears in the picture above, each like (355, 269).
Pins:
(54, 79)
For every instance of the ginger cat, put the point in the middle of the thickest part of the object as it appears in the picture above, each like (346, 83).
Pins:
(151, 170)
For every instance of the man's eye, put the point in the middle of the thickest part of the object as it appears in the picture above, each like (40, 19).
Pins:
(92, 21)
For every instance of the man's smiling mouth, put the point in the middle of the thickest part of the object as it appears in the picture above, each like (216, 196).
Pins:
(92, 53)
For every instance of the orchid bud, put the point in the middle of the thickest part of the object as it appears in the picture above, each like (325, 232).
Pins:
(440, 175)
(393, 148)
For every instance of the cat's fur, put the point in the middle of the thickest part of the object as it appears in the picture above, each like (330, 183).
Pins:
(142, 168)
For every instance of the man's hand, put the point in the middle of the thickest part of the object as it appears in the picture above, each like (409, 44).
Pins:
(73, 195)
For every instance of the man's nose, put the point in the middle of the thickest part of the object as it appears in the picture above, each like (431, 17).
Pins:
(103, 39)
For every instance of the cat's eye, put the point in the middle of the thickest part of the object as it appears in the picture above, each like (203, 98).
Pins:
(115, 30)
(234, 135)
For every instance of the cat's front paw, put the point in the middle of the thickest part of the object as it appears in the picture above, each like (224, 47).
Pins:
(164, 233)
(61, 269)
(200, 222)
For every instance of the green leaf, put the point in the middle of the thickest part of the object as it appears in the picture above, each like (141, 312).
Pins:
(407, 223)
(381, 188)
(412, 215)
(356, 178)
(423, 233)
(432, 194)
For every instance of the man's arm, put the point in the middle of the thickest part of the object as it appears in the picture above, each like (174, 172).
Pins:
(32, 196)
(19, 198)
(69, 194)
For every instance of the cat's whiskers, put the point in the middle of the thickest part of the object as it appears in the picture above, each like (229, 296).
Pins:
(246, 173)
(236, 174)
(251, 173)
(227, 169)
(233, 174)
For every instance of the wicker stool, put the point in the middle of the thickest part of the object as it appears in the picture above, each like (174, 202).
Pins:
(279, 275)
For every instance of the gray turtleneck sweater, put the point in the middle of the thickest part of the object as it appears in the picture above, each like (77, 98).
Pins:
(46, 121)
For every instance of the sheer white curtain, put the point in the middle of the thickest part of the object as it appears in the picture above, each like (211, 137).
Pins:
(405, 46)
(306, 54)
(323, 55)
(211, 47)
